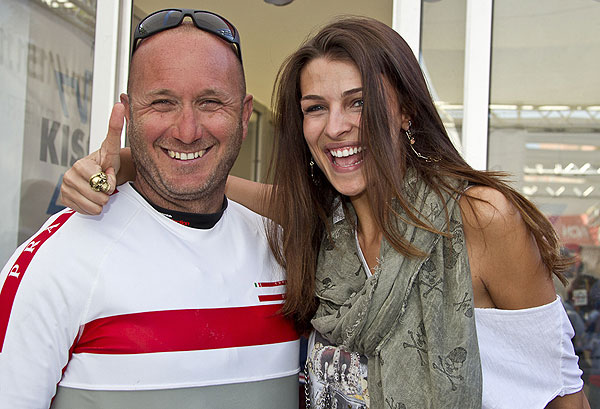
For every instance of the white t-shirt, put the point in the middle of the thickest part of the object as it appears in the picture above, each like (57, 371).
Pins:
(132, 304)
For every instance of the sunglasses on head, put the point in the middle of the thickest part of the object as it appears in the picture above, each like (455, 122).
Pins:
(170, 18)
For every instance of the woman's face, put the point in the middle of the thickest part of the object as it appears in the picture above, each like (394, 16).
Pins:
(332, 103)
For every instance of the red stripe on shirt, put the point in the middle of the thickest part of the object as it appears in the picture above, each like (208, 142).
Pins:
(19, 268)
(271, 297)
(186, 330)
(270, 283)
(64, 368)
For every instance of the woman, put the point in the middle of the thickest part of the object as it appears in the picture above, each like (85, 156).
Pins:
(427, 283)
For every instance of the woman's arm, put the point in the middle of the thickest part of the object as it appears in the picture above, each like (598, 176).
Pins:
(574, 401)
(252, 195)
(75, 191)
(506, 266)
(77, 194)
(118, 164)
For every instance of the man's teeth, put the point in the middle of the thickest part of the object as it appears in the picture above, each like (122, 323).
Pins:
(186, 156)
(342, 153)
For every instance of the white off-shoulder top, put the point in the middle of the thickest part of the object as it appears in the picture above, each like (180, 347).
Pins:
(527, 359)
(527, 356)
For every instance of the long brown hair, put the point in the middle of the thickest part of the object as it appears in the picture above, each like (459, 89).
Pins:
(302, 202)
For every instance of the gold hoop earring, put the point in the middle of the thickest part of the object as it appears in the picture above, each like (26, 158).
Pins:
(411, 141)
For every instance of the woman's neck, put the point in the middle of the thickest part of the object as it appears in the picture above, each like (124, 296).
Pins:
(369, 234)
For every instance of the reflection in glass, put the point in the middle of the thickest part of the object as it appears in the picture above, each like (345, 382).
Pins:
(545, 130)
(46, 65)
(443, 58)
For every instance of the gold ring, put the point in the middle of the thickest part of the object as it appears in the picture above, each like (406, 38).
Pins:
(99, 182)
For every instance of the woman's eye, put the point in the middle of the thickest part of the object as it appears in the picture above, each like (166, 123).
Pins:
(358, 103)
(313, 108)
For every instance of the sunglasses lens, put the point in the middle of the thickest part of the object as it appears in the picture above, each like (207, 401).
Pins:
(166, 19)
(215, 24)
(159, 21)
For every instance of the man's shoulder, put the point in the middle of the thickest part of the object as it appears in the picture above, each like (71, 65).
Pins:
(115, 214)
(67, 232)
(237, 207)
(241, 213)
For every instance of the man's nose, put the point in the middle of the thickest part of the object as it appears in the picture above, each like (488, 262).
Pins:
(188, 126)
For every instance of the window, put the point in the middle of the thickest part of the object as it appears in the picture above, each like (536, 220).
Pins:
(46, 64)
(544, 128)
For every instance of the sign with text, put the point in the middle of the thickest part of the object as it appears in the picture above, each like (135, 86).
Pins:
(575, 230)
(57, 113)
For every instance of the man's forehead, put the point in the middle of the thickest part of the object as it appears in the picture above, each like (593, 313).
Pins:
(182, 44)
(204, 42)
(209, 91)
(186, 52)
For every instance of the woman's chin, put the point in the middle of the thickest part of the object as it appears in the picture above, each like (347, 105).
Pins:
(351, 190)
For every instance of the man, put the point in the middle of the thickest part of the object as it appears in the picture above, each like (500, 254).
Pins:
(138, 310)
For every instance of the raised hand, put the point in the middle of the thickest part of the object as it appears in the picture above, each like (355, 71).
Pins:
(75, 190)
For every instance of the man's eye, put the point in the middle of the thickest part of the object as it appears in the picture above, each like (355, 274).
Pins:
(161, 102)
(210, 103)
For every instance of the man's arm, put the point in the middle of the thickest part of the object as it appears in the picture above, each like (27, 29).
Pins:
(39, 311)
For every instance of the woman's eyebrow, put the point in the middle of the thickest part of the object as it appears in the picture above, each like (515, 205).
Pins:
(351, 91)
(310, 96)
(344, 94)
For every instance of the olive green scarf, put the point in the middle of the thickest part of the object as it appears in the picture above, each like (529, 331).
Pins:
(413, 318)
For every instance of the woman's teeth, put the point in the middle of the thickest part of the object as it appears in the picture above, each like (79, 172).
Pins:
(344, 152)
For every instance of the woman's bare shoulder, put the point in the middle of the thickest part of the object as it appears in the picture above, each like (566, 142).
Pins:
(488, 210)
(503, 255)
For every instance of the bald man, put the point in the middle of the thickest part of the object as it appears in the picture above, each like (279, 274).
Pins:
(170, 298)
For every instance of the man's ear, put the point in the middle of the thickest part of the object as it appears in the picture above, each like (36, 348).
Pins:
(246, 113)
(125, 101)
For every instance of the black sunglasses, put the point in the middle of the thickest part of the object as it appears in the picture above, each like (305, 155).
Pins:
(170, 18)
